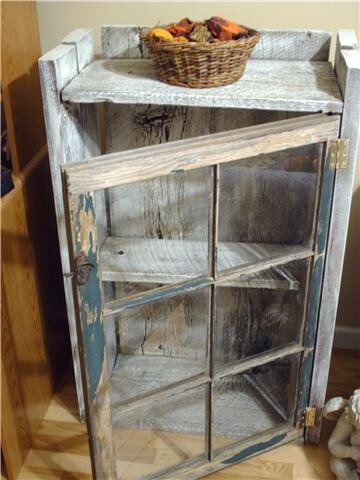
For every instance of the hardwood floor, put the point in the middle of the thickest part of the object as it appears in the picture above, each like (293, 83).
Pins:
(60, 449)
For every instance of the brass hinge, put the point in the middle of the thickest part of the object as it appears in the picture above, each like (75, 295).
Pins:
(308, 417)
(338, 153)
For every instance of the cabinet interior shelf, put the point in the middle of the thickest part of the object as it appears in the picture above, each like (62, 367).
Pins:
(303, 86)
(133, 376)
(162, 261)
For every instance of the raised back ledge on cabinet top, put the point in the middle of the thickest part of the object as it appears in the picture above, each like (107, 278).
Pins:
(288, 70)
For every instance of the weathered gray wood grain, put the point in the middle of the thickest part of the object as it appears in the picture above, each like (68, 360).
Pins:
(123, 41)
(275, 194)
(170, 416)
(159, 124)
(174, 207)
(266, 84)
(136, 296)
(83, 42)
(150, 162)
(133, 377)
(293, 252)
(292, 45)
(170, 207)
(159, 379)
(150, 260)
(92, 343)
(252, 321)
(65, 144)
(82, 39)
(72, 133)
(127, 329)
(347, 67)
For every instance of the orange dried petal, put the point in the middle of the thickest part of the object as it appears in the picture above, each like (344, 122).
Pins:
(184, 26)
(161, 34)
(224, 29)
(181, 39)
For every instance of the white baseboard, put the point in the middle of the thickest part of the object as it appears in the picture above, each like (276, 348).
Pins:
(347, 337)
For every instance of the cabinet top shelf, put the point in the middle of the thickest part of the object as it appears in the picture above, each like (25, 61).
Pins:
(303, 86)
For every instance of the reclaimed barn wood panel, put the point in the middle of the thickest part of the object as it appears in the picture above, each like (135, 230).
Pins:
(347, 66)
(128, 333)
(150, 162)
(123, 41)
(151, 260)
(91, 336)
(83, 42)
(57, 68)
(72, 135)
(134, 126)
(266, 85)
(164, 193)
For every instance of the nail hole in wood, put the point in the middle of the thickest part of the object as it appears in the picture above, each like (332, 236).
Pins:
(120, 252)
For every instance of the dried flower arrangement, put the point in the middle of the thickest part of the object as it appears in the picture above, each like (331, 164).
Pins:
(200, 54)
(216, 29)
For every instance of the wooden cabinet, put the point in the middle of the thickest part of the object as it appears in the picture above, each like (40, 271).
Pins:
(202, 251)
(34, 343)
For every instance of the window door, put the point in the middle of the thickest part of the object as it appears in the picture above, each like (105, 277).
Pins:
(211, 287)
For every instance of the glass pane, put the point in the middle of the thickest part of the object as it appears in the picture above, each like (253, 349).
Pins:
(267, 203)
(160, 343)
(258, 312)
(161, 435)
(159, 231)
(254, 401)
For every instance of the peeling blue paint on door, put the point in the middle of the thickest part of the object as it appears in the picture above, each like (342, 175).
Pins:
(254, 449)
(90, 300)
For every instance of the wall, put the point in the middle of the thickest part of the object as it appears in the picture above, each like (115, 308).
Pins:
(56, 19)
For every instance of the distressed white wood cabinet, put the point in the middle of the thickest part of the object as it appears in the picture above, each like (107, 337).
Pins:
(205, 230)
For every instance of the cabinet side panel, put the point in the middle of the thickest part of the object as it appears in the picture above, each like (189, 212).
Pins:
(72, 136)
(347, 65)
(82, 39)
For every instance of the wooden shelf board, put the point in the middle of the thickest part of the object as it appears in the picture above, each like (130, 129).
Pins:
(301, 86)
(135, 375)
(185, 413)
(147, 260)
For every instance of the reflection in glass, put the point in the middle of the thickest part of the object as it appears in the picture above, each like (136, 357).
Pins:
(254, 401)
(267, 202)
(256, 313)
(161, 435)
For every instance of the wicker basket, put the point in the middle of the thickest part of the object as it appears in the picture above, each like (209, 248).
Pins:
(200, 64)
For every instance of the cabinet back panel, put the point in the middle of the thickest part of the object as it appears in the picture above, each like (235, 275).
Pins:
(174, 207)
